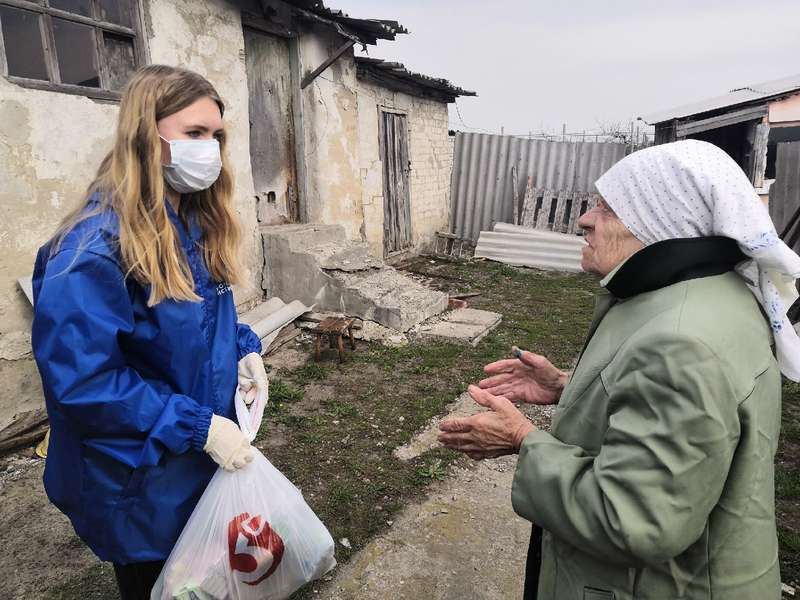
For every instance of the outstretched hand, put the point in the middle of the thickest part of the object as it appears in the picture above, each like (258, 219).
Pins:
(490, 434)
(530, 378)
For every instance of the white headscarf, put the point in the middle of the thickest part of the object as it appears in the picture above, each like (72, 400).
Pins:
(691, 189)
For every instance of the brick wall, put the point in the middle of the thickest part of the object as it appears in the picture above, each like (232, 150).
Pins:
(431, 154)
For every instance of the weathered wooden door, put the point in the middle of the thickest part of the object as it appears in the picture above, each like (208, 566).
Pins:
(272, 154)
(396, 196)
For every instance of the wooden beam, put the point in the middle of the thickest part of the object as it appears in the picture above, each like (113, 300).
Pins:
(332, 59)
(729, 118)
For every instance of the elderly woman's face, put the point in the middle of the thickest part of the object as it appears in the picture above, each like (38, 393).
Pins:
(608, 241)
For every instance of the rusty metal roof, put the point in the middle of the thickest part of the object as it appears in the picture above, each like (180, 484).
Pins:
(364, 31)
(394, 75)
(748, 94)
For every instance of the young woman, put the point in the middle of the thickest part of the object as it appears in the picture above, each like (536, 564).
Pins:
(135, 331)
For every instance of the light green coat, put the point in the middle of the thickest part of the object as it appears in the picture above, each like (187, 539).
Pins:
(656, 481)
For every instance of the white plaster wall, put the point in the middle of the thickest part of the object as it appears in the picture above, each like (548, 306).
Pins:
(50, 146)
(330, 131)
(207, 37)
(52, 143)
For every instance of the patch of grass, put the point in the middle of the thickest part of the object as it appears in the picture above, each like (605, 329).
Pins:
(432, 470)
(280, 391)
(787, 485)
(311, 372)
(789, 540)
(340, 409)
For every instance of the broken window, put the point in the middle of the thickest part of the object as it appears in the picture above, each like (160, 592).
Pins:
(88, 47)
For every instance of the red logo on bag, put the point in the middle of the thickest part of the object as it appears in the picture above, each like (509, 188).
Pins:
(253, 547)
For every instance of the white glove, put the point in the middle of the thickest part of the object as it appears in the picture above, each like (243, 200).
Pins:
(227, 445)
(253, 378)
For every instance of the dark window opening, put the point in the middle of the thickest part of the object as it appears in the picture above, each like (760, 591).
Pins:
(116, 12)
(75, 53)
(778, 135)
(551, 218)
(567, 213)
(732, 139)
(121, 59)
(23, 43)
(78, 7)
(86, 47)
(537, 209)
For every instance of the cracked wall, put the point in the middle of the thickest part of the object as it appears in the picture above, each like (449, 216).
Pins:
(344, 173)
(51, 144)
(330, 132)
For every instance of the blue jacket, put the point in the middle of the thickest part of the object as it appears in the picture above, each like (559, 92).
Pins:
(130, 389)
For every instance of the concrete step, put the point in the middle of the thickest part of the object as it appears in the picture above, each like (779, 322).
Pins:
(348, 256)
(390, 298)
(317, 265)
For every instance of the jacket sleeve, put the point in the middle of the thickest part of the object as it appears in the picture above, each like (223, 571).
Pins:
(246, 341)
(82, 308)
(646, 496)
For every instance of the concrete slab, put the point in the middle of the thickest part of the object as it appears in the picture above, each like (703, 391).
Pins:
(390, 298)
(350, 258)
(462, 326)
(317, 265)
(474, 316)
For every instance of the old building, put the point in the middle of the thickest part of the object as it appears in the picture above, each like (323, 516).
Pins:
(747, 122)
(316, 134)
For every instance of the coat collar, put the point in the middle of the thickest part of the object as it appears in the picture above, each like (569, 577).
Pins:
(671, 261)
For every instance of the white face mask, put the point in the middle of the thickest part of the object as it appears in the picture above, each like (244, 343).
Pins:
(195, 165)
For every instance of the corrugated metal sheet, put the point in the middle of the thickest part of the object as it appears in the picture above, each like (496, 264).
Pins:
(481, 183)
(389, 73)
(523, 246)
(735, 97)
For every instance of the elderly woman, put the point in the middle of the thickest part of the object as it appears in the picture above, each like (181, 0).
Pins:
(656, 479)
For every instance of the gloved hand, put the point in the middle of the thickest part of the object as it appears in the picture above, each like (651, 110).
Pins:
(227, 445)
(253, 378)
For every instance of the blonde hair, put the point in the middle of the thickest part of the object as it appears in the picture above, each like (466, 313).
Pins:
(130, 182)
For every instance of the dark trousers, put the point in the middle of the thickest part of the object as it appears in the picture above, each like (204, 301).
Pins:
(533, 564)
(136, 580)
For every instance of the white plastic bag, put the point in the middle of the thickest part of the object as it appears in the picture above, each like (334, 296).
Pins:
(250, 537)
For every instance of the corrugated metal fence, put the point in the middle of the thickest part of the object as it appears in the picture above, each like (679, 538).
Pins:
(481, 191)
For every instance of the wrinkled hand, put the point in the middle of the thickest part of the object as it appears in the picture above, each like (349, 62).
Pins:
(253, 378)
(530, 378)
(490, 434)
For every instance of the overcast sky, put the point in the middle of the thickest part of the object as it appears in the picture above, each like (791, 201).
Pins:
(537, 64)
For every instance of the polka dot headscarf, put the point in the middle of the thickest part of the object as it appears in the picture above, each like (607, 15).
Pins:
(693, 189)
